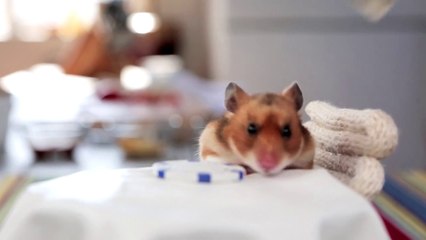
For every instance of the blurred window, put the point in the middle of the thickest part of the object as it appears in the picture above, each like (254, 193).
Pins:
(5, 26)
(29, 20)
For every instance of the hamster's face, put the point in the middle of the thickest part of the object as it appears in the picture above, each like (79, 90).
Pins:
(265, 133)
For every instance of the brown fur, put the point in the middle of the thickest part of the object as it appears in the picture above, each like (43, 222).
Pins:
(270, 112)
(270, 118)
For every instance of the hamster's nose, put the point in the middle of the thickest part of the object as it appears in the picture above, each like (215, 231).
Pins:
(268, 161)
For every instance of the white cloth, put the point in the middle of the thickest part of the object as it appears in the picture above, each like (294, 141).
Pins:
(133, 204)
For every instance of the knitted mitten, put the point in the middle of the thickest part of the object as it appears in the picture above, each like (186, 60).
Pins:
(354, 132)
(363, 174)
(349, 142)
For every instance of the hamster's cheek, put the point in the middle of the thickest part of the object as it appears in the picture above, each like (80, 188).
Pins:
(251, 161)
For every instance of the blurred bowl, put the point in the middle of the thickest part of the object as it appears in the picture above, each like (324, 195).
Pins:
(46, 138)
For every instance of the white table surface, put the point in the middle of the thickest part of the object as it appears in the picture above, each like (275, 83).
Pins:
(132, 204)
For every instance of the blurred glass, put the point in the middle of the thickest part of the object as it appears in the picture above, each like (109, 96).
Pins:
(139, 140)
(5, 105)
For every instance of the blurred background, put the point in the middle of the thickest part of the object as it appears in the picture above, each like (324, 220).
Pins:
(107, 84)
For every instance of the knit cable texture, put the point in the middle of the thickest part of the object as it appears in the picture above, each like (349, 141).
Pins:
(363, 174)
(349, 143)
(369, 132)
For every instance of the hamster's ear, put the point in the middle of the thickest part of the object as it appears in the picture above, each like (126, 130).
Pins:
(234, 97)
(294, 93)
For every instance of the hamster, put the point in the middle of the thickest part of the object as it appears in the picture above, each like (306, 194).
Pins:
(262, 132)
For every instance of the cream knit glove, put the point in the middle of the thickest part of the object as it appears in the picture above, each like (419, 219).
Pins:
(349, 142)
(363, 174)
(354, 132)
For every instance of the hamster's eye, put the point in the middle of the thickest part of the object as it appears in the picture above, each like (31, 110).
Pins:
(252, 129)
(286, 131)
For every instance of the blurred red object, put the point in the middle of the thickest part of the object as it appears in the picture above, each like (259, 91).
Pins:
(172, 98)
